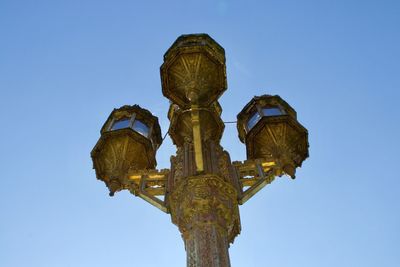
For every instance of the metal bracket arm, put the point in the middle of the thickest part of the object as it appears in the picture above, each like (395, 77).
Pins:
(148, 184)
(253, 176)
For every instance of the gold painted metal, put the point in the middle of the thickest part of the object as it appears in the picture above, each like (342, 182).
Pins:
(197, 138)
(194, 71)
(279, 138)
(253, 176)
(205, 208)
(203, 189)
(181, 126)
(119, 151)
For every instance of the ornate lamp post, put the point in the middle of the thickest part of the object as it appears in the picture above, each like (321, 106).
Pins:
(203, 188)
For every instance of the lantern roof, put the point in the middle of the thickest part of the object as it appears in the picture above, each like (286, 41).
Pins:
(141, 114)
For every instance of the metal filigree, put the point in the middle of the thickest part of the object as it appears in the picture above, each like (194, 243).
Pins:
(203, 189)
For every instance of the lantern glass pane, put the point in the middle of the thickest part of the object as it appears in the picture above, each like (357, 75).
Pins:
(141, 128)
(120, 124)
(253, 120)
(272, 111)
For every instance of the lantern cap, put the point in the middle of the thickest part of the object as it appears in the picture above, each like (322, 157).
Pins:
(141, 114)
(194, 40)
(256, 104)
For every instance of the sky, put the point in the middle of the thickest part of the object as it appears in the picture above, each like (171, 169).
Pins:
(64, 66)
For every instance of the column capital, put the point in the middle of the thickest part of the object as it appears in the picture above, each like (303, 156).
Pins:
(203, 200)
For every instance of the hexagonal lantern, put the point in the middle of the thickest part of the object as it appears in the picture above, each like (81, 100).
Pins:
(129, 140)
(269, 128)
(194, 71)
(181, 123)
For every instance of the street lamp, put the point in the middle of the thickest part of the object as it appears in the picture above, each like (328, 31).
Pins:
(202, 189)
(129, 140)
(269, 128)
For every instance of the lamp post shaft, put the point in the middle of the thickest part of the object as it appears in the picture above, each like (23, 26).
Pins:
(207, 246)
(204, 205)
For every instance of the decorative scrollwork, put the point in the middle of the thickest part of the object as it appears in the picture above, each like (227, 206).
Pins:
(203, 200)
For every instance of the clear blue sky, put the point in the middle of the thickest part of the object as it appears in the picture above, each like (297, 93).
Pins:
(64, 65)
